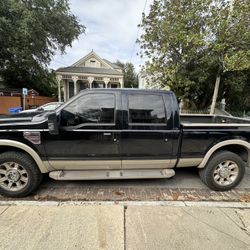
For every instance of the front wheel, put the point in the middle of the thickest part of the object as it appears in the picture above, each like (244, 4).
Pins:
(224, 171)
(19, 174)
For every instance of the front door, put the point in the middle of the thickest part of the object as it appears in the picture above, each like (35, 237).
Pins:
(146, 139)
(89, 136)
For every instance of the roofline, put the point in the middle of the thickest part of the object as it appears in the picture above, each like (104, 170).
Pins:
(118, 67)
(87, 73)
(89, 54)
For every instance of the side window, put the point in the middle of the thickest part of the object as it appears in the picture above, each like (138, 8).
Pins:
(146, 109)
(90, 108)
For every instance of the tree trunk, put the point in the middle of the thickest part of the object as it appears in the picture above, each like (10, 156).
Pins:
(215, 95)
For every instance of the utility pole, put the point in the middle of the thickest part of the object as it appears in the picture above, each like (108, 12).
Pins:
(218, 77)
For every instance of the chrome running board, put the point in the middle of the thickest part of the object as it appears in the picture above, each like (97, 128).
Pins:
(111, 174)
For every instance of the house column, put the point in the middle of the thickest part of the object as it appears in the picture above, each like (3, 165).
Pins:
(59, 78)
(75, 78)
(121, 82)
(65, 91)
(106, 81)
(90, 79)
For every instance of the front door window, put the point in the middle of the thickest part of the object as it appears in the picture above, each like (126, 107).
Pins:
(90, 108)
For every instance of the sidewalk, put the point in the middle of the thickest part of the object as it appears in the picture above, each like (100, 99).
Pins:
(123, 227)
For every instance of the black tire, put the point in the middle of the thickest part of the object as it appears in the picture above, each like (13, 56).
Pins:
(28, 168)
(208, 175)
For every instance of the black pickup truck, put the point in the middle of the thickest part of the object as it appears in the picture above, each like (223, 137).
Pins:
(120, 134)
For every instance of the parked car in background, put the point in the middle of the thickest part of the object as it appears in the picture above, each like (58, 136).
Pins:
(46, 107)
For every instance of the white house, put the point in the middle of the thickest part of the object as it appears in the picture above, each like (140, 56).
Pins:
(148, 82)
(91, 71)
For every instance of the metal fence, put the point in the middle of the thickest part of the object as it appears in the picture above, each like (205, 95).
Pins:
(189, 111)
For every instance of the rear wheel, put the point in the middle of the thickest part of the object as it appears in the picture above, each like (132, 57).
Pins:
(224, 171)
(19, 174)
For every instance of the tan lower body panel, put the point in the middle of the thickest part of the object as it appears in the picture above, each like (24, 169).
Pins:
(112, 164)
(147, 164)
(189, 162)
(85, 165)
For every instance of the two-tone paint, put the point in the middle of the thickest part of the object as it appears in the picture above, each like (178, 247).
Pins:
(122, 145)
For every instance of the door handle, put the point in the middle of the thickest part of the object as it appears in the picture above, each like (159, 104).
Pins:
(107, 134)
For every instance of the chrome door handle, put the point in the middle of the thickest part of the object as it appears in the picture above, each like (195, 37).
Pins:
(107, 134)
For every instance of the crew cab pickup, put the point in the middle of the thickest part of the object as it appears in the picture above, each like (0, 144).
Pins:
(120, 134)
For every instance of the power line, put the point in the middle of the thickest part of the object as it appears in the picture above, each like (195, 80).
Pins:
(133, 49)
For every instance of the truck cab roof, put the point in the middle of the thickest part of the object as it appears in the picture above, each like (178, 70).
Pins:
(129, 90)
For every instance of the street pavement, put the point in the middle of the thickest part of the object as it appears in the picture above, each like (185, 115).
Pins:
(123, 227)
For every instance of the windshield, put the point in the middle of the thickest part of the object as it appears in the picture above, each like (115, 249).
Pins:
(51, 106)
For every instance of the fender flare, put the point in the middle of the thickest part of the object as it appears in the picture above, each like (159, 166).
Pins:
(219, 145)
(27, 149)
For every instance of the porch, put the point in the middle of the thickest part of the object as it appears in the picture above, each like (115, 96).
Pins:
(69, 85)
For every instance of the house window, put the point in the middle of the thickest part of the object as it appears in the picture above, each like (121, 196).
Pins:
(114, 86)
(92, 61)
(66, 77)
(82, 77)
(97, 85)
(114, 79)
(98, 78)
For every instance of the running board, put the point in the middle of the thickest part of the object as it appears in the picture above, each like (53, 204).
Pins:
(111, 174)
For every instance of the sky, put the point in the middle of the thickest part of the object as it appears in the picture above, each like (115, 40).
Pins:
(111, 31)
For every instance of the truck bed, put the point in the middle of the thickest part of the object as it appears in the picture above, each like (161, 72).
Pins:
(206, 119)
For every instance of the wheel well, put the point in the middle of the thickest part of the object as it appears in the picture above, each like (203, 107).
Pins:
(237, 149)
(12, 145)
(10, 148)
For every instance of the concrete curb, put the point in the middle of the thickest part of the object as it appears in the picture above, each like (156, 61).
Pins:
(129, 203)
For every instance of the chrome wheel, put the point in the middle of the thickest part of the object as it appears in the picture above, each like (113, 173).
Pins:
(13, 176)
(226, 173)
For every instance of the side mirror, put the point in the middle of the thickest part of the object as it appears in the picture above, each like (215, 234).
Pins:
(53, 125)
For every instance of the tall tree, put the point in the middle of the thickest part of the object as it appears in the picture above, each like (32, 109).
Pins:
(31, 31)
(189, 43)
(130, 76)
(230, 43)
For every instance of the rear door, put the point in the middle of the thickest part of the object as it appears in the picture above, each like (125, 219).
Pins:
(147, 135)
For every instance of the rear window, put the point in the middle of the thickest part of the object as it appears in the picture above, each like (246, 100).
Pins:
(146, 109)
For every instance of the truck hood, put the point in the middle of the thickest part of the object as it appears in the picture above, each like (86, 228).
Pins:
(21, 118)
